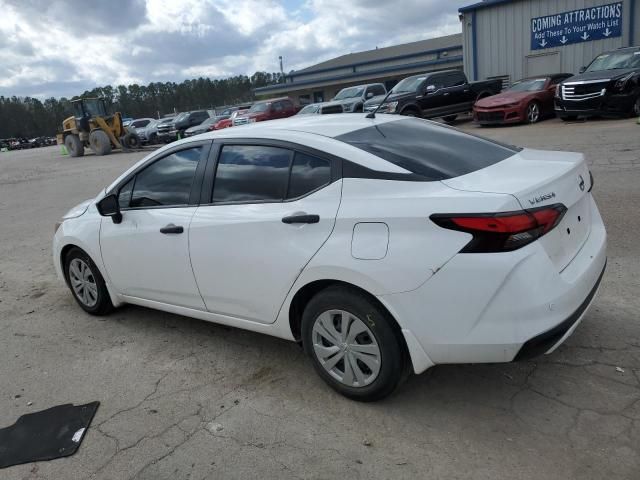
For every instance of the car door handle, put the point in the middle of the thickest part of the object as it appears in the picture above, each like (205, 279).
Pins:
(171, 228)
(303, 218)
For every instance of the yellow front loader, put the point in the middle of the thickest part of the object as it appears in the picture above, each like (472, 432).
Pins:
(91, 126)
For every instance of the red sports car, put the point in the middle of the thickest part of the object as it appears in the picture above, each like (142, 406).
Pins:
(528, 100)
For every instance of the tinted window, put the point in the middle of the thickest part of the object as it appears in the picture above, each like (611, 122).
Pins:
(432, 151)
(277, 106)
(248, 173)
(167, 181)
(452, 80)
(377, 90)
(308, 173)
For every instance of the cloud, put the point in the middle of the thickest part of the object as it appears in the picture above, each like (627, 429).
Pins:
(55, 47)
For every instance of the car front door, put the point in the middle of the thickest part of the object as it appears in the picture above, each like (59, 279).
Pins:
(271, 209)
(147, 255)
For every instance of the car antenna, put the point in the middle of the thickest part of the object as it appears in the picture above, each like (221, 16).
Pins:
(373, 113)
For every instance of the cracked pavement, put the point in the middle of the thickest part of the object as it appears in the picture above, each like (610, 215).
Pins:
(186, 399)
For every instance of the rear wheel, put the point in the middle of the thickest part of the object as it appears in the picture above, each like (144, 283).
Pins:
(99, 142)
(533, 112)
(74, 145)
(86, 283)
(354, 344)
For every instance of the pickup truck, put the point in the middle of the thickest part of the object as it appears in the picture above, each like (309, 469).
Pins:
(609, 86)
(435, 94)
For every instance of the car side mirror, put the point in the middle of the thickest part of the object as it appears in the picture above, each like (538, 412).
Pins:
(582, 69)
(369, 95)
(430, 89)
(110, 207)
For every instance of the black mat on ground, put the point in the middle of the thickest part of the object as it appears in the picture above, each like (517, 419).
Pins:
(52, 433)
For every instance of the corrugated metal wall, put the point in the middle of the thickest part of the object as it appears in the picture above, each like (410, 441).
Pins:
(503, 37)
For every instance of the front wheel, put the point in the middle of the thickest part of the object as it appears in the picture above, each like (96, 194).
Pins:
(74, 145)
(86, 283)
(636, 107)
(353, 343)
(533, 112)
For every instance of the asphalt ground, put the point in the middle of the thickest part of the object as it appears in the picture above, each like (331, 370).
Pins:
(186, 399)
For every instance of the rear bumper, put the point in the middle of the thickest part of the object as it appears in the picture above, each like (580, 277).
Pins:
(484, 308)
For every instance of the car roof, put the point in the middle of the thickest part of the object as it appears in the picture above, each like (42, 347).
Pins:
(329, 125)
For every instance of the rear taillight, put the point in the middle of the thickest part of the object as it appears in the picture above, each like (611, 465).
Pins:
(502, 232)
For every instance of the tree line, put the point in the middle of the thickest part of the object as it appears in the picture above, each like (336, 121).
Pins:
(30, 117)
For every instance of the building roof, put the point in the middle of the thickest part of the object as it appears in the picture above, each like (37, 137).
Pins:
(385, 53)
(483, 4)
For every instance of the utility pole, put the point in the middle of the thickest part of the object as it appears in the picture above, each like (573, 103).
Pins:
(281, 69)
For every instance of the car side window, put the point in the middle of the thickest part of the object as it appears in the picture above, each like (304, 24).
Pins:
(251, 173)
(377, 90)
(308, 173)
(287, 105)
(124, 196)
(166, 182)
(277, 106)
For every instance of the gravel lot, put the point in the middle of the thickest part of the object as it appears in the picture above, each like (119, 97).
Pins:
(182, 398)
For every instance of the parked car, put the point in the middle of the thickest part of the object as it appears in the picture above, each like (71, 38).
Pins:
(228, 122)
(435, 94)
(321, 108)
(126, 121)
(610, 85)
(151, 133)
(357, 238)
(528, 100)
(206, 126)
(139, 125)
(264, 110)
(164, 129)
(353, 98)
(187, 120)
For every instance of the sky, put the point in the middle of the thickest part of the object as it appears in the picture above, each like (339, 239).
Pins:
(64, 47)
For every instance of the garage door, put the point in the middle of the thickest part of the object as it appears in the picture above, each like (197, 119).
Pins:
(542, 64)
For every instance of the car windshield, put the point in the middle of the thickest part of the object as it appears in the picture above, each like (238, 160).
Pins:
(614, 61)
(349, 93)
(259, 107)
(309, 109)
(411, 84)
(528, 85)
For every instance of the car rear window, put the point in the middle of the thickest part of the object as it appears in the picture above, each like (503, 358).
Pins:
(433, 151)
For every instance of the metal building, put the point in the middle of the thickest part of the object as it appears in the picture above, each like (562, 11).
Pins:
(387, 65)
(512, 39)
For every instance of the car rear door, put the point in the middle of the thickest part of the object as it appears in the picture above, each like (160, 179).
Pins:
(147, 255)
(268, 211)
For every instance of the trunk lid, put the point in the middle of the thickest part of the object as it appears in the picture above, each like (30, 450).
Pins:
(537, 178)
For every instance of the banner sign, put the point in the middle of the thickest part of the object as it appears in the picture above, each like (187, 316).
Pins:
(577, 26)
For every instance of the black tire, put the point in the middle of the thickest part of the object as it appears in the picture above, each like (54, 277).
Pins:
(153, 139)
(635, 109)
(393, 362)
(103, 303)
(533, 112)
(99, 142)
(358, 108)
(131, 141)
(568, 118)
(450, 118)
(74, 145)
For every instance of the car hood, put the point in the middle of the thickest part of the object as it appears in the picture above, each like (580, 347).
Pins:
(504, 98)
(196, 129)
(78, 210)
(394, 97)
(601, 75)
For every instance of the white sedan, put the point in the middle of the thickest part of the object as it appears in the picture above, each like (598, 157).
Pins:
(383, 245)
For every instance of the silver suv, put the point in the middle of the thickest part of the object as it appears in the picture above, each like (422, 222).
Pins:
(353, 98)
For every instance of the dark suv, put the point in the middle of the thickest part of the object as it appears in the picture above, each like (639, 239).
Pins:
(610, 85)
